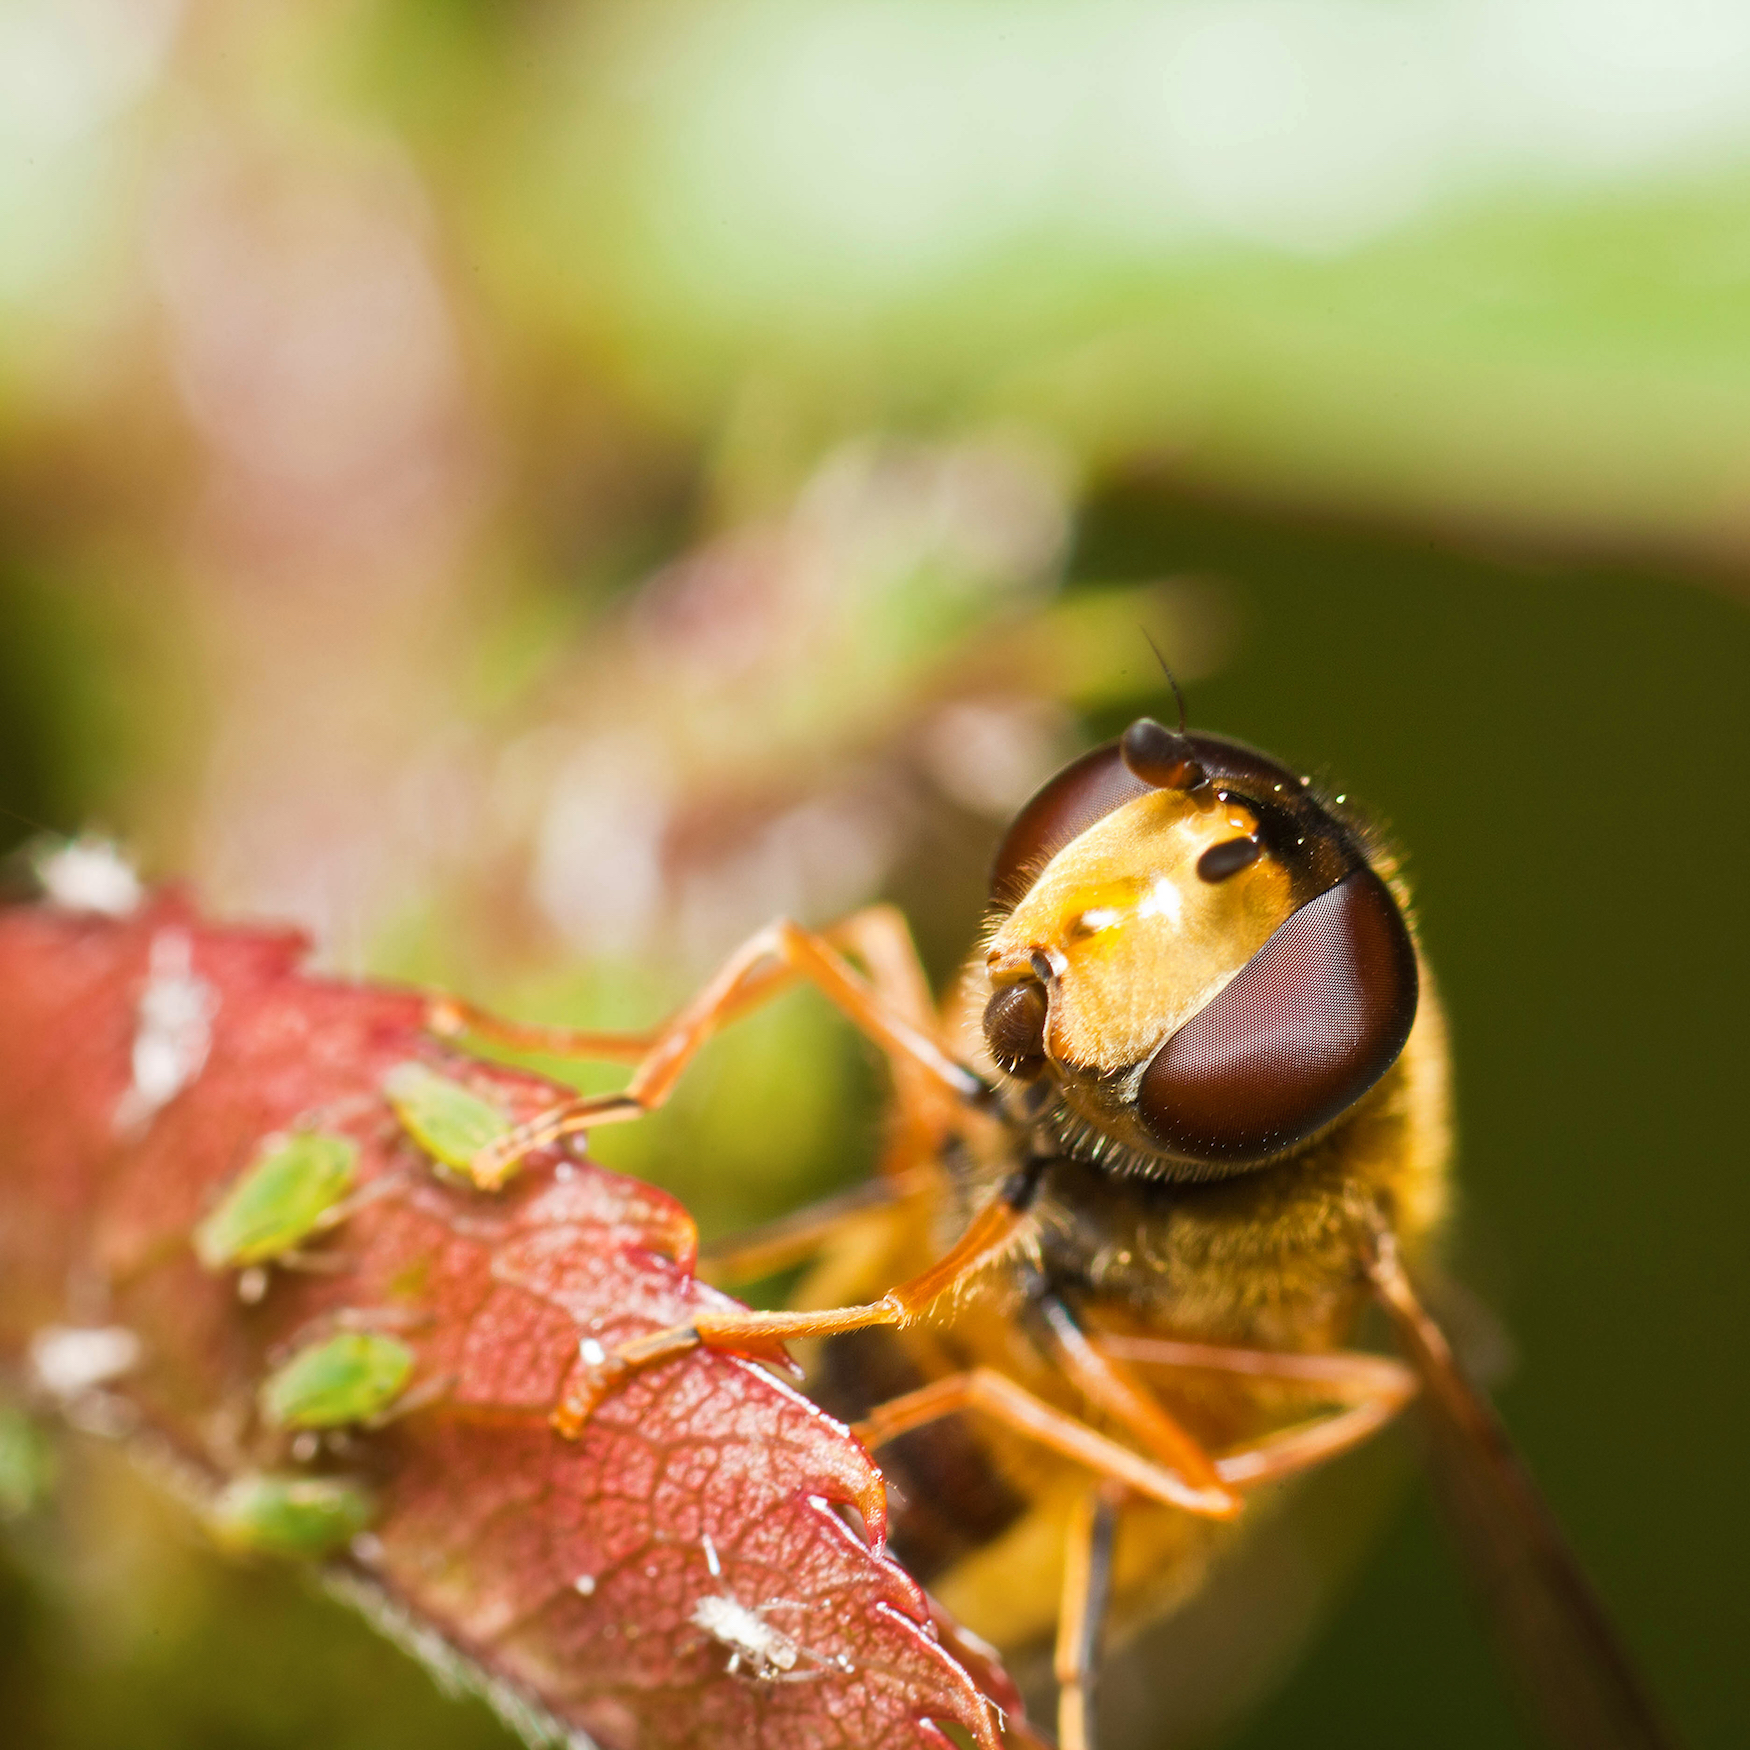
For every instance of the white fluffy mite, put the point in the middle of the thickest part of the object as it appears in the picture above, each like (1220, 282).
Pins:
(768, 1653)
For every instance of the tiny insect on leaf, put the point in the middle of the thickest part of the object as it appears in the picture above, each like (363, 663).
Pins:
(264, 1514)
(448, 1121)
(349, 1377)
(284, 1196)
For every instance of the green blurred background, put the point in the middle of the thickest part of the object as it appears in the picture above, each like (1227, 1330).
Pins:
(534, 489)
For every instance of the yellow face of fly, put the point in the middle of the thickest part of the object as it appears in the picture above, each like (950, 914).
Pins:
(1137, 940)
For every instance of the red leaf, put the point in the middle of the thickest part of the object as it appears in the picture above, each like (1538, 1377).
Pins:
(614, 1580)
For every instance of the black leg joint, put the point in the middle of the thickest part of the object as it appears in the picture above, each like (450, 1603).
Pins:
(1021, 1186)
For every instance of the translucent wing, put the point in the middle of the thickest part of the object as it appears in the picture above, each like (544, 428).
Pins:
(1574, 1675)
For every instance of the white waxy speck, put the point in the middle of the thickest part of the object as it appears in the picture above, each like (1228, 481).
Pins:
(584, 1585)
(565, 1172)
(764, 1648)
(367, 1548)
(711, 1560)
(173, 1032)
(70, 1360)
(591, 1352)
(252, 1285)
(88, 874)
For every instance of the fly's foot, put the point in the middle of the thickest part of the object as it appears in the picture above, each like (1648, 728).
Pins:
(492, 1164)
(600, 1371)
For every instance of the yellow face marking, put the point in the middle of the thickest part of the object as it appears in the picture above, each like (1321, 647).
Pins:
(1137, 939)
(1133, 899)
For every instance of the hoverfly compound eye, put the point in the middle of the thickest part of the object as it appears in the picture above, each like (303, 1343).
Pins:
(1306, 1027)
(1148, 757)
(1014, 1027)
(1161, 759)
(1084, 792)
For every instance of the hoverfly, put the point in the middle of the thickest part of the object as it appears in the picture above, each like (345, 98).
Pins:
(1180, 1120)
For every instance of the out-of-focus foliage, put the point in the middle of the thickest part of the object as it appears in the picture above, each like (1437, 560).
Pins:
(26, 1463)
(1459, 257)
(532, 490)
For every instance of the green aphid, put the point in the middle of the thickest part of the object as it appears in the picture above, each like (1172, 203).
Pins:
(289, 1515)
(449, 1122)
(27, 1463)
(349, 1377)
(284, 1196)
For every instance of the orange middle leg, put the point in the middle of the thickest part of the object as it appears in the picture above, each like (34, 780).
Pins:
(998, 1229)
(1087, 1585)
(794, 1238)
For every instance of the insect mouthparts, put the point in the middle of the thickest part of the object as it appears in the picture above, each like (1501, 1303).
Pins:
(1014, 1027)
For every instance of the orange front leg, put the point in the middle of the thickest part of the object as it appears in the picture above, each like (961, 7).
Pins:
(774, 957)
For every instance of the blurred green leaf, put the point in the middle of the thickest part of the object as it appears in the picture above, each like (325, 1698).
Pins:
(27, 1463)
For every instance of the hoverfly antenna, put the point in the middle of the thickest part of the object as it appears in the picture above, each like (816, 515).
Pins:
(1172, 679)
(1160, 758)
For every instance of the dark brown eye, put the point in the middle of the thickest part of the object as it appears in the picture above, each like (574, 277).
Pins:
(1312, 1021)
(1084, 792)
(1229, 858)
(1014, 1027)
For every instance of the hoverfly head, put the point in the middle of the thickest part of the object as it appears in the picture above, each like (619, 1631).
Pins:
(1198, 952)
